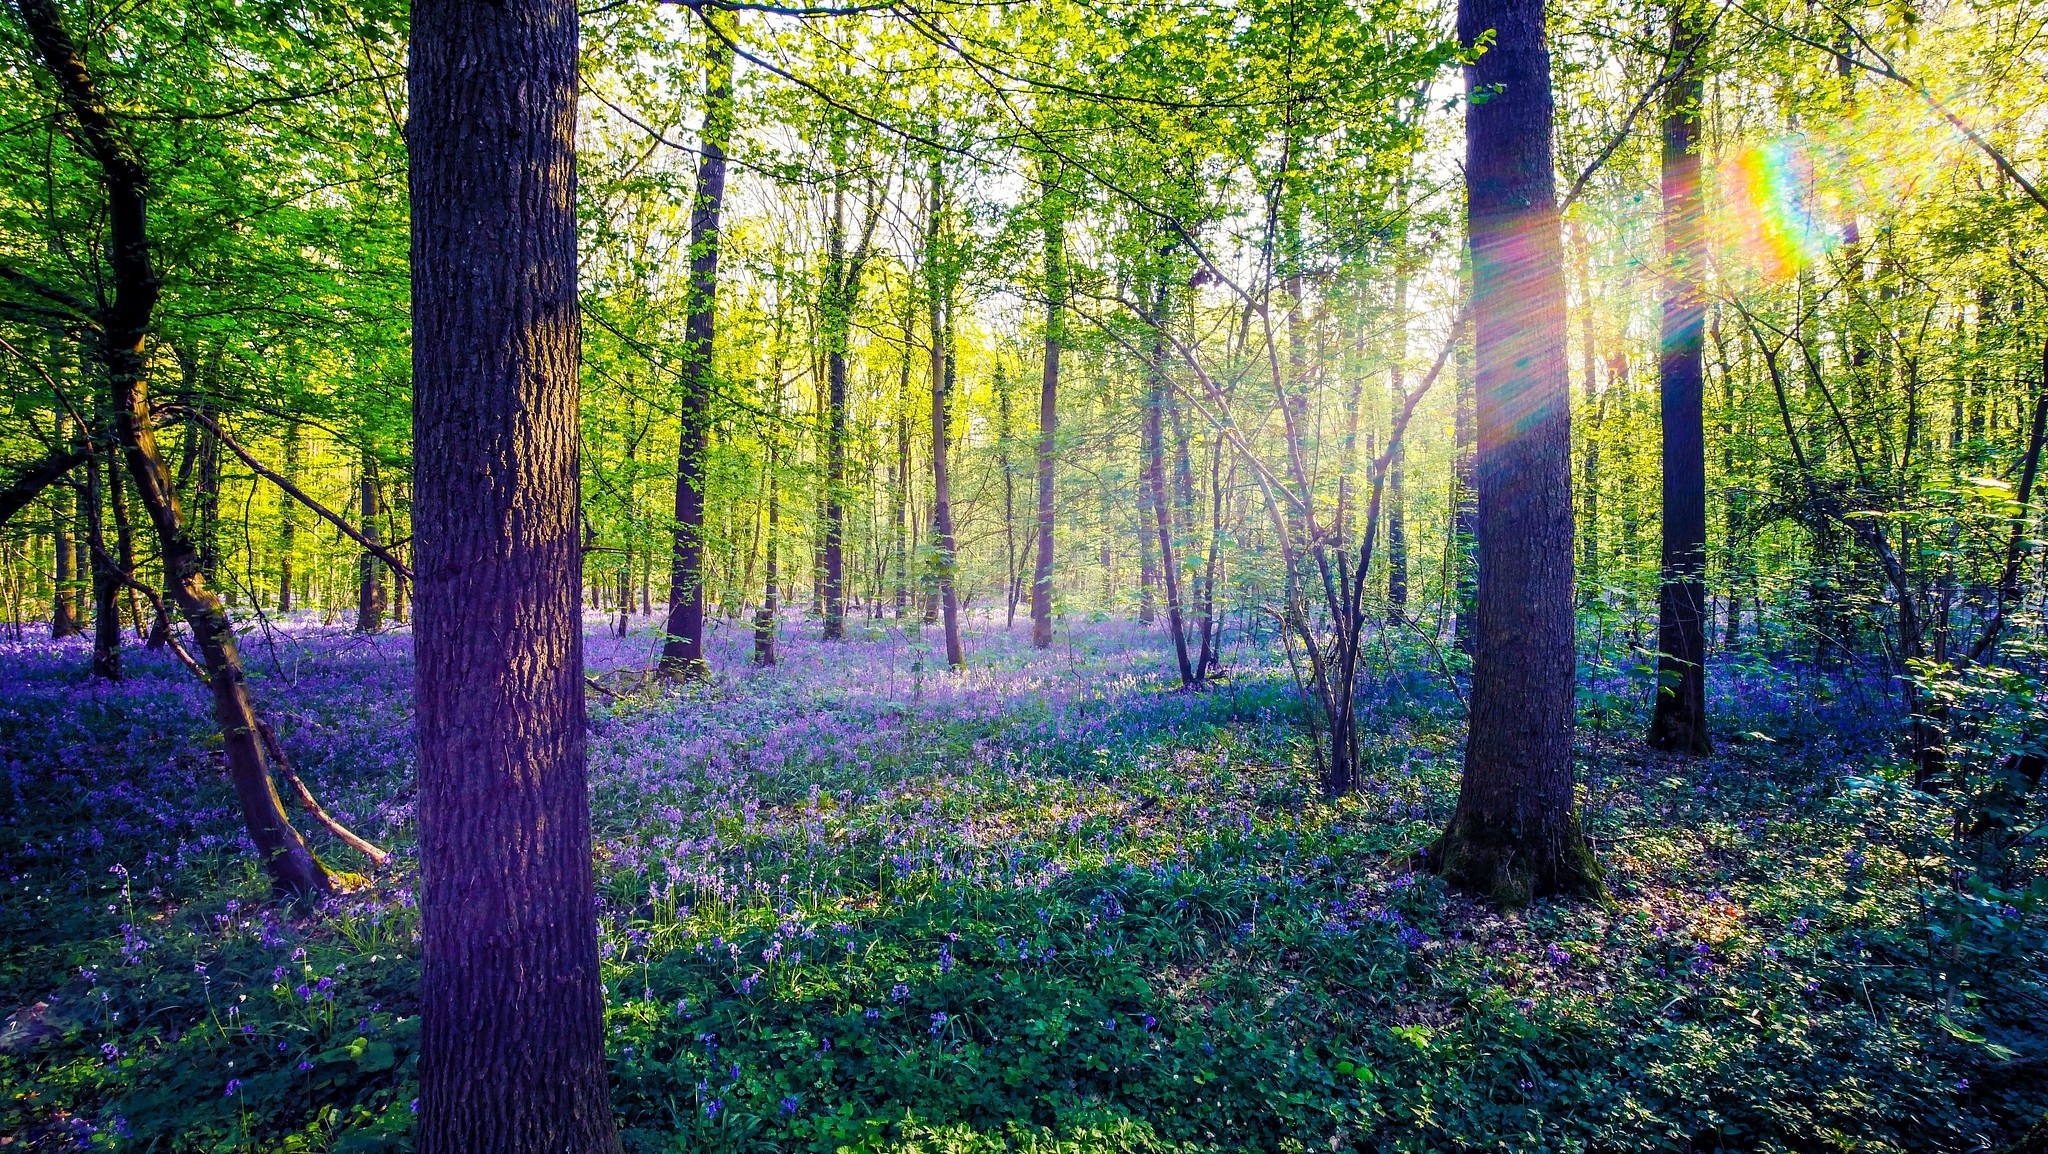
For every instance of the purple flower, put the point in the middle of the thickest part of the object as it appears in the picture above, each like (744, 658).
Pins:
(939, 1021)
(234, 1084)
(789, 1105)
(712, 1108)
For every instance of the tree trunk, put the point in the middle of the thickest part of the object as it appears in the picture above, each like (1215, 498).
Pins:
(287, 522)
(764, 620)
(512, 1002)
(1048, 412)
(682, 653)
(1155, 481)
(1514, 834)
(106, 584)
(942, 390)
(836, 322)
(124, 323)
(1678, 720)
(369, 570)
(1465, 517)
(64, 619)
(1397, 461)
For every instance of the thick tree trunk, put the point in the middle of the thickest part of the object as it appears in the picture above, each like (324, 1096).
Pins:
(682, 653)
(124, 322)
(1514, 834)
(1678, 719)
(512, 1003)
(1048, 414)
(369, 570)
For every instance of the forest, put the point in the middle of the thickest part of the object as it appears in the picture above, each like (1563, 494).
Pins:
(1074, 576)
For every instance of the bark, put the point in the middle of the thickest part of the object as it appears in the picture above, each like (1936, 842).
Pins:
(512, 1002)
(123, 323)
(682, 653)
(1514, 834)
(1678, 720)
(942, 390)
(1048, 414)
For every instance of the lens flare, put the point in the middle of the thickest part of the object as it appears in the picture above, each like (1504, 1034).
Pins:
(1771, 208)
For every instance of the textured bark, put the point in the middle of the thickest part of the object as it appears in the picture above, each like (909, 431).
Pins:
(682, 653)
(1678, 719)
(1048, 415)
(512, 1004)
(1514, 834)
(124, 322)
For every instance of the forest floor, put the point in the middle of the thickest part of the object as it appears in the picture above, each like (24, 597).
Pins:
(856, 902)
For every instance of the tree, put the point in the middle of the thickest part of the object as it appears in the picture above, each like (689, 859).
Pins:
(1054, 227)
(123, 323)
(1515, 834)
(1678, 718)
(512, 1003)
(939, 287)
(682, 654)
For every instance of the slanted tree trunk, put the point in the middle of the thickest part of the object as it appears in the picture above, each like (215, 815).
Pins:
(941, 284)
(1514, 834)
(124, 322)
(511, 999)
(1048, 410)
(369, 570)
(1678, 719)
(682, 653)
